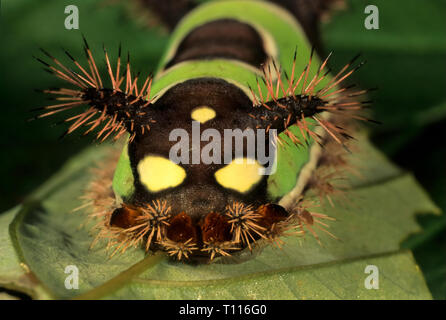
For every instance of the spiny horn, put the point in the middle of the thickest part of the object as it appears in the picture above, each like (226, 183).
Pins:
(111, 111)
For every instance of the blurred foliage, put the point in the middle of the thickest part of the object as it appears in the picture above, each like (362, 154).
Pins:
(406, 60)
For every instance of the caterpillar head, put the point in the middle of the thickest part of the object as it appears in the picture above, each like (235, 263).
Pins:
(192, 179)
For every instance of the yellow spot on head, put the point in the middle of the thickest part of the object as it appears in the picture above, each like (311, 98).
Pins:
(157, 173)
(241, 174)
(203, 114)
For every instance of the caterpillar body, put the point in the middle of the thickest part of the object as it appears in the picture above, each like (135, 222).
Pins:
(244, 65)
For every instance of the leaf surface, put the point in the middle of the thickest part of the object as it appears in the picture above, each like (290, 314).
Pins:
(372, 220)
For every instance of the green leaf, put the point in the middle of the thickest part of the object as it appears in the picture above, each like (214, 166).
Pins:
(14, 275)
(48, 216)
(400, 278)
(9, 264)
(377, 216)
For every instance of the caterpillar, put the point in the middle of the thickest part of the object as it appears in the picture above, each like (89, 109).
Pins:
(230, 65)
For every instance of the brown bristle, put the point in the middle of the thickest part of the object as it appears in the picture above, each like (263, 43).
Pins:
(114, 108)
(219, 248)
(152, 222)
(284, 99)
(327, 183)
(179, 249)
(307, 219)
(244, 224)
(277, 222)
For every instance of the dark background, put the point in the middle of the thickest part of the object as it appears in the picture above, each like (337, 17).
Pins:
(406, 60)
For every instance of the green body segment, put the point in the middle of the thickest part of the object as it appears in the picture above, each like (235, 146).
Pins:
(123, 181)
(281, 34)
